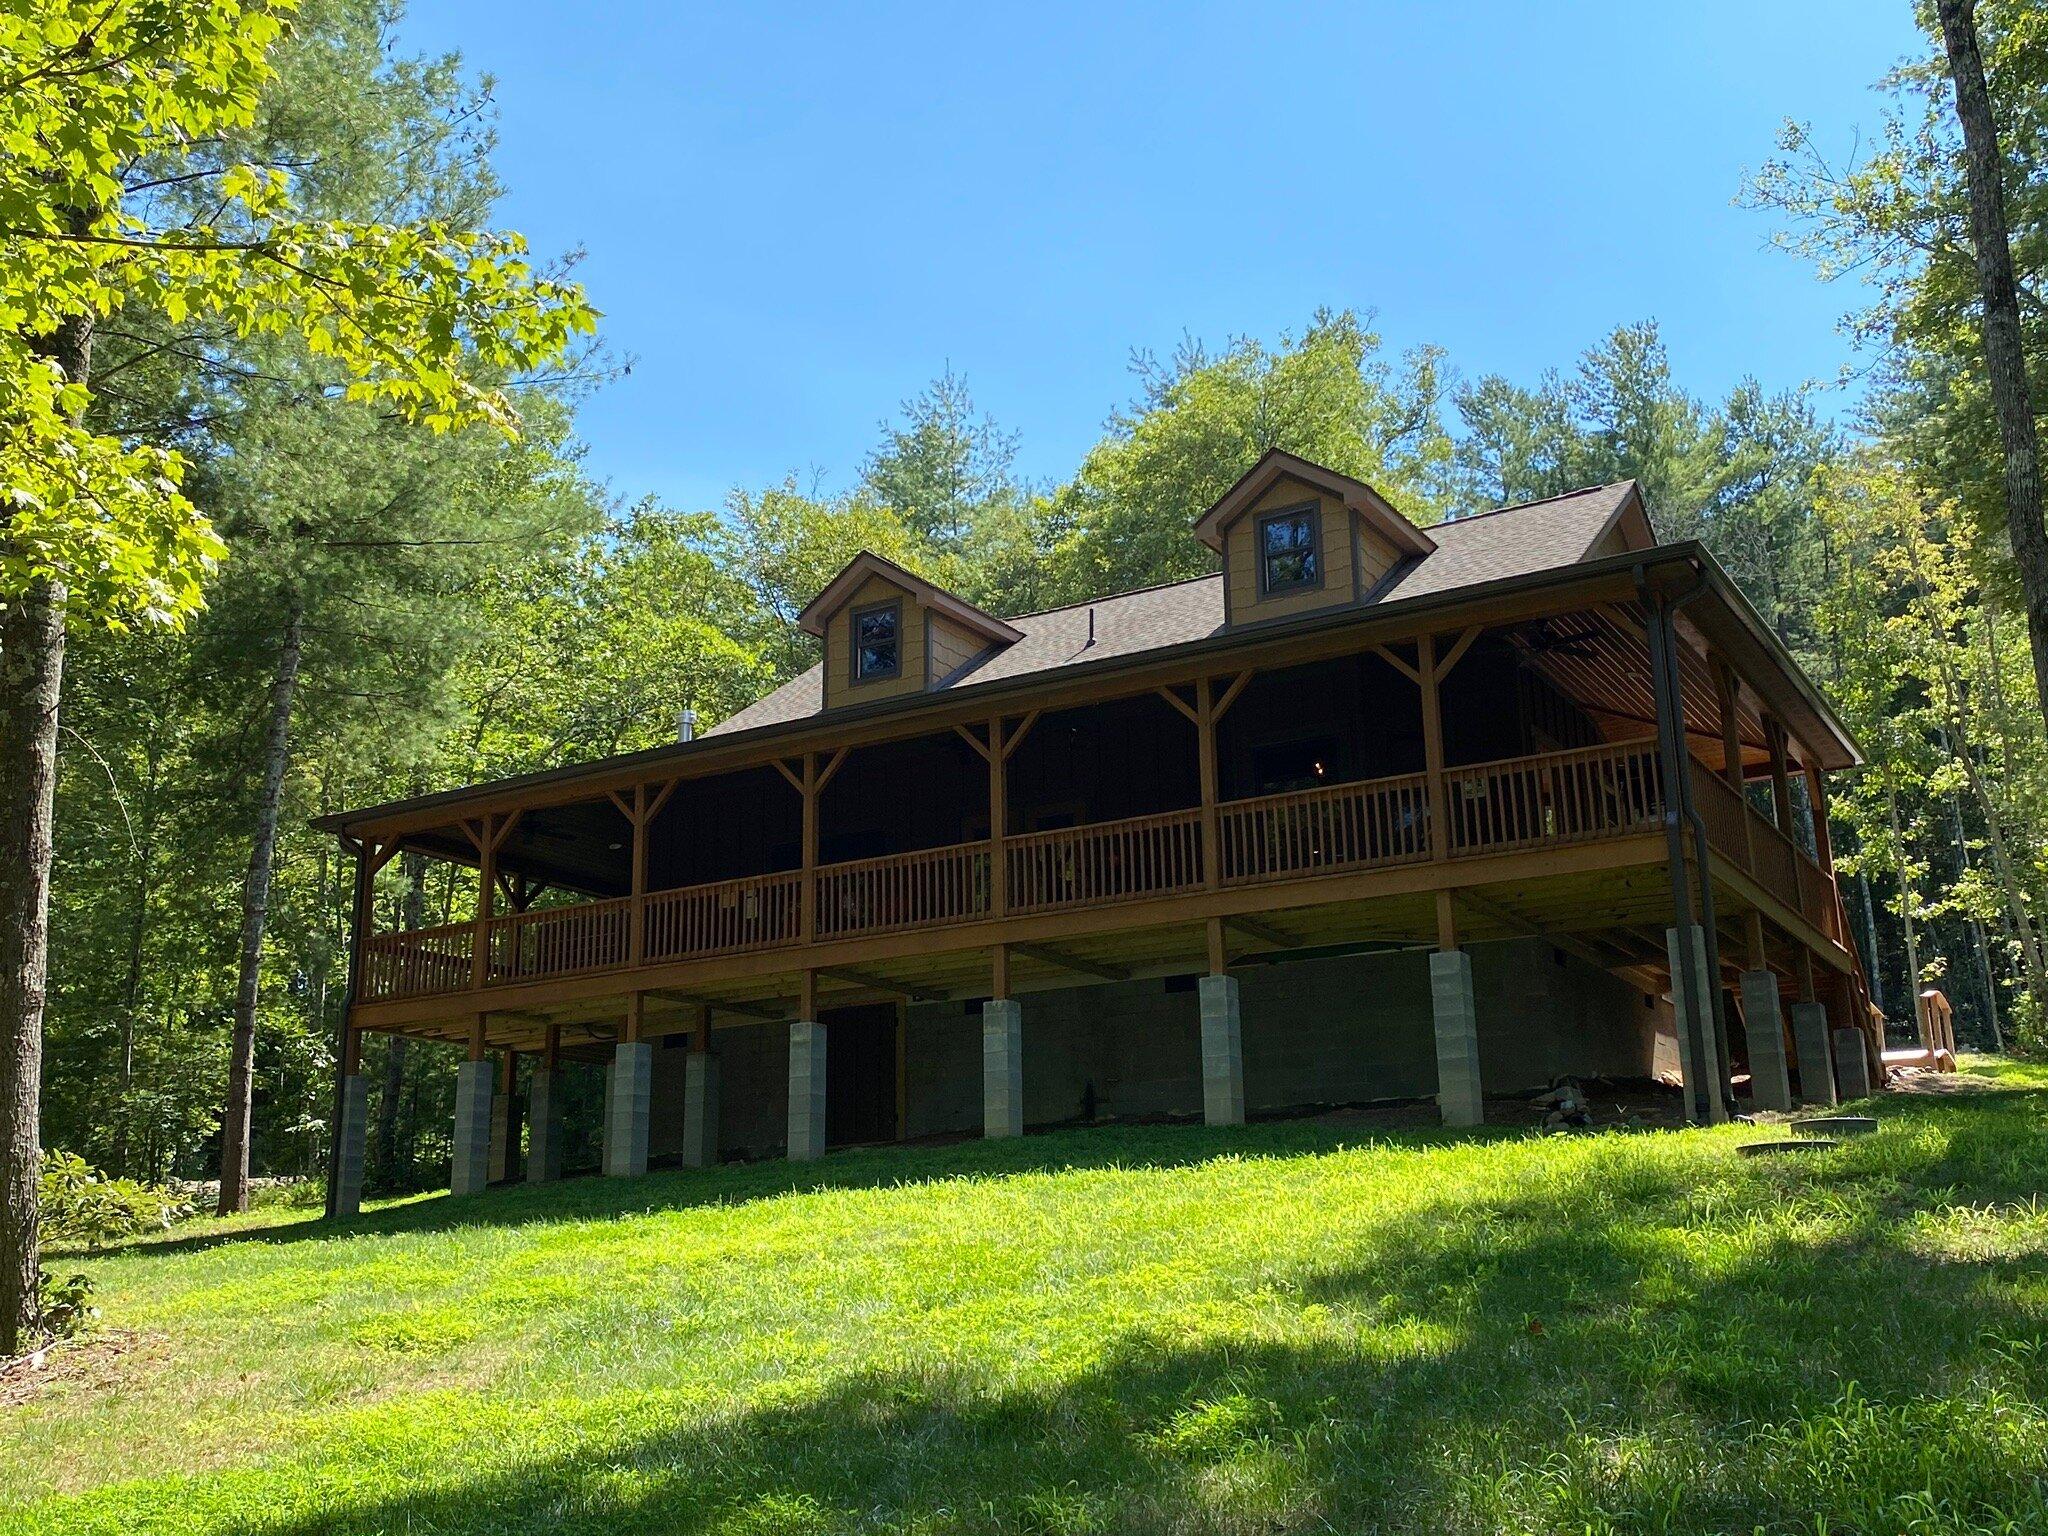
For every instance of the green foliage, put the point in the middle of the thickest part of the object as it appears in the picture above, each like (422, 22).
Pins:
(1303, 1325)
(67, 1305)
(81, 1206)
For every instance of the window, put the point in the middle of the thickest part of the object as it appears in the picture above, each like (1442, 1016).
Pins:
(877, 642)
(1290, 554)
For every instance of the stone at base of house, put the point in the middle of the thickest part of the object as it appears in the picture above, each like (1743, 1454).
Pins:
(1816, 1061)
(1222, 1051)
(1763, 1027)
(471, 1165)
(352, 1144)
(1852, 1065)
(628, 1107)
(1002, 1068)
(700, 1110)
(806, 1090)
(544, 1126)
(1456, 1017)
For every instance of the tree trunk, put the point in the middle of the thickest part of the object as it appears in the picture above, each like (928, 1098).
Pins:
(31, 680)
(2004, 355)
(1891, 802)
(234, 1140)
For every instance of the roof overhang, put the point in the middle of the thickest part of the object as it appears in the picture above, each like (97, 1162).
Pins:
(1275, 465)
(840, 589)
(1719, 612)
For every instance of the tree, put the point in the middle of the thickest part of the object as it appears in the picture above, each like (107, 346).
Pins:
(2004, 352)
(101, 104)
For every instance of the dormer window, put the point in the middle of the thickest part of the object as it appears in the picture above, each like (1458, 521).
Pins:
(877, 642)
(1290, 553)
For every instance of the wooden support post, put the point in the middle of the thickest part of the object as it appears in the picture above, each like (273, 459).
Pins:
(1727, 694)
(1433, 748)
(999, 972)
(1781, 777)
(808, 788)
(1219, 953)
(351, 1050)
(1205, 747)
(486, 900)
(636, 1017)
(551, 1048)
(1446, 922)
(700, 1035)
(1823, 837)
(477, 1043)
(636, 942)
(998, 820)
(807, 995)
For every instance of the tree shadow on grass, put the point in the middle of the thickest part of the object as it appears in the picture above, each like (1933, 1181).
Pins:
(1631, 1346)
(1065, 1150)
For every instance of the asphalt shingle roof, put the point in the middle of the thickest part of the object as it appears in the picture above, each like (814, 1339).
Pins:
(1470, 551)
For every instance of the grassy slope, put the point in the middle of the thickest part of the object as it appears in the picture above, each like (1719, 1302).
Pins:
(1153, 1329)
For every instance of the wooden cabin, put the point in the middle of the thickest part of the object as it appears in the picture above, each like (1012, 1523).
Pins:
(1374, 813)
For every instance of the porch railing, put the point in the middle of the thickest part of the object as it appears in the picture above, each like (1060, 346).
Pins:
(727, 917)
(1325, 830)
(1109, 862)
(1518, 803)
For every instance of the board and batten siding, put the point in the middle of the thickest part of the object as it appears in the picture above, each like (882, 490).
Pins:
(1354, 558)
(840, 688)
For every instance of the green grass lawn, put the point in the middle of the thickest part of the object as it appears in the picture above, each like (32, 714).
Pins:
(1289, 1327)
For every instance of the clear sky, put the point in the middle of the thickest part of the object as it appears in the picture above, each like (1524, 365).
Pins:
(796, 216)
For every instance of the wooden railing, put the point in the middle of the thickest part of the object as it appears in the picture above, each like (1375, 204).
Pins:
(728, 917)
(1751, 841)
(1517, 803)
(1108, 862)
(1321, 830)
(420, 963)
(926, 889)
(1555, 797)
(560, 941)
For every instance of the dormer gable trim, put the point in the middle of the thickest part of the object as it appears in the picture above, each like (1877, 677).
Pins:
(1275, 465)
(841, 588)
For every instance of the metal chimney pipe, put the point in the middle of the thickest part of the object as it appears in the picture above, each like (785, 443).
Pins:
(686, 724)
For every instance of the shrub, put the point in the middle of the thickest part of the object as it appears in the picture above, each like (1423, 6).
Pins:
(81, 1205)
(67, 1304)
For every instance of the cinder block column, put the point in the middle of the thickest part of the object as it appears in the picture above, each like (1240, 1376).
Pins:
(806, 1090)
(1816, 1062)
(1763, 1026)
(504, 1133)
(1695, 1013)
(631, 1104)
(1852, 1065)
(351, 1141)
(1002, 1068)
(1222, 1051)
(474, 1085)
(1458, 1094)
(700, 1110)
(544, 1125)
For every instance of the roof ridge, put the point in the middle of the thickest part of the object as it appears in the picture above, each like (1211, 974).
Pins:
(1090, 602)
(1523, 506)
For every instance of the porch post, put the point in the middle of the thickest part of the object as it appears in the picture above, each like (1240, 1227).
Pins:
(485, 835)
(1694, 979)
(348, 1078)
(998, 819)
(629, 1105)
(1222, 1037)
(806, 1076)
(1763, 1024)
(1781, 776)
(1002, 1056)
(473, 1079)
(1205, 747)
(544, 1113)
(505, 1120)
(700, 1098)
(352, 1134)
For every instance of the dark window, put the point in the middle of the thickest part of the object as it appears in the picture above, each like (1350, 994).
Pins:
(1289, 552)
(877, 642)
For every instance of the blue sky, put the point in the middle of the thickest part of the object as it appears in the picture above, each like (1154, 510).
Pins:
(795, 216)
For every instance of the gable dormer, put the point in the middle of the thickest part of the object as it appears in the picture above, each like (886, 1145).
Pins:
(1296, 538)
(889, 633)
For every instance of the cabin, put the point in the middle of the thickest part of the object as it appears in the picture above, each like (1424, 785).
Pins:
(1374, 813)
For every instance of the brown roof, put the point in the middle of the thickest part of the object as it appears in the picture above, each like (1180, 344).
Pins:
(1514, 541)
